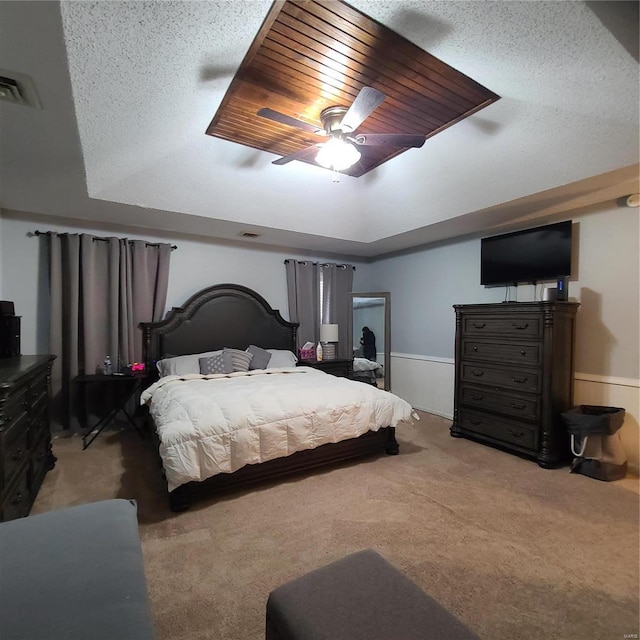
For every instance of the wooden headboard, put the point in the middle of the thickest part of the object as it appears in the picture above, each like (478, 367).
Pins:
(225, 315)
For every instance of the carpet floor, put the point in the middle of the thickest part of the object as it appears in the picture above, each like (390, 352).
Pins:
(512, 550)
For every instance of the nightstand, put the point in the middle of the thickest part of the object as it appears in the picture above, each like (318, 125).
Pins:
(341, 368)
(119, 389)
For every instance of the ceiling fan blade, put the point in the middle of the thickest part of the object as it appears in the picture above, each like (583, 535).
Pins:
(304, 154)
(276, 116)
(362, 107)
(390, 139)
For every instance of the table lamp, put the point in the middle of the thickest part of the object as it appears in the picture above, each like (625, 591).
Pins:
(329, 338)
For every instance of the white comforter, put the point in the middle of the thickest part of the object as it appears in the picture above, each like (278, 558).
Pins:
(219, 423)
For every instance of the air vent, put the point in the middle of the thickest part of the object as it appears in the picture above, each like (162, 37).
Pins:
(249, 234)
(18, 88)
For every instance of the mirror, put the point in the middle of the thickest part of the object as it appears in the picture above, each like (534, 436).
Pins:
(373, 311)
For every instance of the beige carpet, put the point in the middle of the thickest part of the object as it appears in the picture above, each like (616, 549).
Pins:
(512, 550)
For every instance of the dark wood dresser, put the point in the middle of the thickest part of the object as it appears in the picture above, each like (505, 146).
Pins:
(514, 376)
(25, 439)
(343, 368)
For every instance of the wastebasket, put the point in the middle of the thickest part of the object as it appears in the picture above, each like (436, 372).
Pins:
(595, 441)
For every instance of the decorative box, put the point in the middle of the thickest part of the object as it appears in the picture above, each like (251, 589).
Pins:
(307, 354)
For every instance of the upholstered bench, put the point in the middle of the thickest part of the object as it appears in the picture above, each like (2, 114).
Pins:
(74, 574)
(360, 597)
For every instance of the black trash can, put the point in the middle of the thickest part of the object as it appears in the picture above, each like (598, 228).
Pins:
(595, 441)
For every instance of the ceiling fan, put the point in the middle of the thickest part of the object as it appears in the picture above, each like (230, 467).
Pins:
(339, 124)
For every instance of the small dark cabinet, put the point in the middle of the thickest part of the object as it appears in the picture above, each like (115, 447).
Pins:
(514, 376)
(25, 440)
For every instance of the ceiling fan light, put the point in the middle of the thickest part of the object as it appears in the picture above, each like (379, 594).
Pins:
(337, 154)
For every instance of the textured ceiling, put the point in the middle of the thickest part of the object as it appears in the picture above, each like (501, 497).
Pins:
(314, 56)
(129, 88)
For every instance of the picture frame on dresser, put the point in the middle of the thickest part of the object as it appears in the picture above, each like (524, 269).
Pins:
(514, 369)
(25, 435)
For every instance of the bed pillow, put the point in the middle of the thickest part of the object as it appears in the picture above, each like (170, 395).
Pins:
(240, 360)
(260, 358)
(217, 363)
(182, 365)
(281, 358)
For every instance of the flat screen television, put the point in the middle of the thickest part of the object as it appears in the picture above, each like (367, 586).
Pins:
(532, 255)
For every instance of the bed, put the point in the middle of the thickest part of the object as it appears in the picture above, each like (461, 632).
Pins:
(218, 430)
(366, 370)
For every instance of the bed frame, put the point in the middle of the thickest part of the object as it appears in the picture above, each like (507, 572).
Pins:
(230, 315)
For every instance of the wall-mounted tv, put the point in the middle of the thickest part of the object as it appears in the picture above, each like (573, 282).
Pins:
(532, 255)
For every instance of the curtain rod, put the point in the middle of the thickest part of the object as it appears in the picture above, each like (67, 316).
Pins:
(148, 244)
(322, 264)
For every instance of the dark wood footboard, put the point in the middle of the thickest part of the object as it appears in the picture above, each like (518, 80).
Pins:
(370, 443)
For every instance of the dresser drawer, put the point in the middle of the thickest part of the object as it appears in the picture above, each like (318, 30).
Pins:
(38, 422)
(17, 499)
(39, 461)
(520, 406)
(500, 351)
(15, 449)
(506, 326)
(502, 429)
(39, 388)
(12, 406)
(528, 380)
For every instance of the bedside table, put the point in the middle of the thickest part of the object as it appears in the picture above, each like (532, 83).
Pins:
(341, 368)
(119, 389)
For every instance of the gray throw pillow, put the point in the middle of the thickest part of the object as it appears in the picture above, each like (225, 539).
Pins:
(240, 359)
(260, 358)
(216, 363)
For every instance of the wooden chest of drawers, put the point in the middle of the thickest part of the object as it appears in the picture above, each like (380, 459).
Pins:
(25, 440)
(514, 376)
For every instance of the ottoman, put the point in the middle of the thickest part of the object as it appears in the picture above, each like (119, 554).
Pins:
(360, 597)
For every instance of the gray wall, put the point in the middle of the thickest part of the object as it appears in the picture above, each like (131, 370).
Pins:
(194, 265)
(425, 284)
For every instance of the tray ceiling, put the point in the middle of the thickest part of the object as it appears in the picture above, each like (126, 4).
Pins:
(310, 55)
(128, 89)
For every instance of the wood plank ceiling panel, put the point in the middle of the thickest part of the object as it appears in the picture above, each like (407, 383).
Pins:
(313, 54)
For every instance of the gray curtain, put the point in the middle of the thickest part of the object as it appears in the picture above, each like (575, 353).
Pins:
(100, 290)
(304, 299)
(320, 293)
(337, 284)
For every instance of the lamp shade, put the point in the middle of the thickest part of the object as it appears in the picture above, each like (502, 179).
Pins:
(328, 333)
(337, 154)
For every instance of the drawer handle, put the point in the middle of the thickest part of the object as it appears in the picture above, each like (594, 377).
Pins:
(476, 422)
(523, 352)
(520, 327)
(519, 380)
(17, 499)
(475, 348)
(477, 374)
(518, 406)
(516, 434)
(18, 454)
(479, 325)
(473, 397)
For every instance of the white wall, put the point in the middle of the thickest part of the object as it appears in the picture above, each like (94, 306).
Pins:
(194, 265)
(426, 283)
